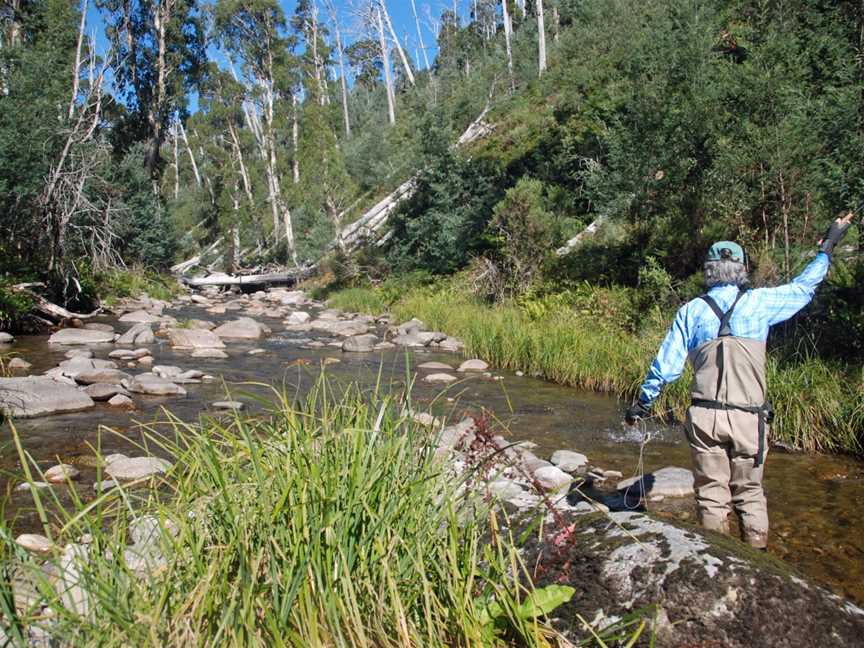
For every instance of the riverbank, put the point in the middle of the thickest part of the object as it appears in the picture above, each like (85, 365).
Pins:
(589, 341)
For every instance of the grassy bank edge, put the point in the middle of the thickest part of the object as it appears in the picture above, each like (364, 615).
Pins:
(819, 405)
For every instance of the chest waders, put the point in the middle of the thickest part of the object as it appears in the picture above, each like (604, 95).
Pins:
(729, 375)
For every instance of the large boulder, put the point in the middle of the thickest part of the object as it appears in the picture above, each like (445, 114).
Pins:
(194, 339)
(138, 334)
(38, 396)
(244, 328)
(700, 589)
(81, 336)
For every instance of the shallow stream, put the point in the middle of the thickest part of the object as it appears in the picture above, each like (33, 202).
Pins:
(814, 501)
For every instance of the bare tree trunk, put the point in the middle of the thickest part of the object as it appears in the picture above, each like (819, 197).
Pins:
(244, 174)
(76, 69)
(191, 154)
(399, 49)
(176, 167)
(323, 96)
(420, 34)
(508, 27)
(556, 23)
(295, 138)
(388, 79)
(541, 37)
(523, 8)
(334, 17)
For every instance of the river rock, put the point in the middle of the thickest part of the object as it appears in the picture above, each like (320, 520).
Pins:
(81, 336)
(410, 340)
(138, 317)
(104, 391)
(200, 300)
(568, 461)
(194, 339)
(255, 352)
(339, 327)
(473, 365)
(131, 336)
(167, 371)
(411, 327)
(505, 489)
(131, 468)
(293, 298)
(75, 366)
(552, 478)
(19, 364)
(228, 405)
(384, 346)
(105, 485)
(152, 385)
(60, 473)
(39, 396)
(440, 378)
(215, 354)
(108, 376)
(360, 343)
(99, 326)
(34, 543)
(668, 482)
(6, 338)
(298, 317)
(451, 344)
(29, 486)
(121, 401)
(244, 328)
(435, 366)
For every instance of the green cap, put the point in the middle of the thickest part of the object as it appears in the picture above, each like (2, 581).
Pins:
(726, 250)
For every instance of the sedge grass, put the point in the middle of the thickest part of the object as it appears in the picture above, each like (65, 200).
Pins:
(328, 522)
(819, 405)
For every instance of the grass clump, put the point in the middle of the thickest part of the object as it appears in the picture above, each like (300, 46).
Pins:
(589, 339)
(326, 523)
(111, 285)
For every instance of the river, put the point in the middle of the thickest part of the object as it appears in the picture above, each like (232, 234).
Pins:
(814, 501)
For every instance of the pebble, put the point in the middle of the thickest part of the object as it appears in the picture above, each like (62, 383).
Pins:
(34, 543)
(121, 400)
(60, 473)
(520, 374)
(28, 486)
(255, 352)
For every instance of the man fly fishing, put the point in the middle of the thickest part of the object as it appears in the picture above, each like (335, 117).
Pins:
(723, 334)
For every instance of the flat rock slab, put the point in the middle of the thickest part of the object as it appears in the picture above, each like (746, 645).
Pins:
(154, 386)
(39, 396)
(106, 376)
(666, 482)
(131, 468)
(244, 328)
(139, 317)
(81, 336)
(104, 391)
(195, 339)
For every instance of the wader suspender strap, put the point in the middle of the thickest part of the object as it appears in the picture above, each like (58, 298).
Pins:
(763, 411)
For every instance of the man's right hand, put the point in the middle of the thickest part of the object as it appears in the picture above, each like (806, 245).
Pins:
(835, 233)
(636, 412)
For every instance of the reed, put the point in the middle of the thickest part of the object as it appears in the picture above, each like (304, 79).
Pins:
(328, 522)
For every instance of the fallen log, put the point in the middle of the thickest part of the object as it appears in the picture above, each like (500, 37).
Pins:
(52, 311)
(219, 279)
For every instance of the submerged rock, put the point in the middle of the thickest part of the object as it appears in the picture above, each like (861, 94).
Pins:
(435, 366)
(81, 336)
(668, 482)
(360, 343)
(131, 468)
(440, 378)
(194, 339)
(40, 396)
(473, 365)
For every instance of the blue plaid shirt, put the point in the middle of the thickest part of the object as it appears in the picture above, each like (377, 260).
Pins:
(755, 313)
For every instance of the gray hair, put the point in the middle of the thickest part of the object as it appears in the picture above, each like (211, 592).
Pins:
(725, 272)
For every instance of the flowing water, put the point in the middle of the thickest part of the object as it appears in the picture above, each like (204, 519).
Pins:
(814, 501)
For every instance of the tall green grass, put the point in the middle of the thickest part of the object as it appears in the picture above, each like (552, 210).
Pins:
(327, 523)
(820, 406)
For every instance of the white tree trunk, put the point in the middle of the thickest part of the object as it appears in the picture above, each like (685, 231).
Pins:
(541, 37)
(244, 174)
(420, 34)
(388, 79)
(342, 79)
(508, 29)
(176, 166)
(399, 49)
(295, 137)
(191, 154)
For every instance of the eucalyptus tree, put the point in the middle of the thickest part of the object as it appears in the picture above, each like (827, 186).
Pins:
(253, 33)
(159, 48)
